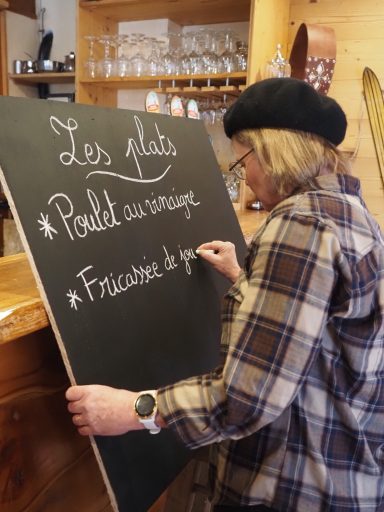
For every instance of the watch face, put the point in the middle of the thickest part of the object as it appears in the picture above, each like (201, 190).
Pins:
(145, 405)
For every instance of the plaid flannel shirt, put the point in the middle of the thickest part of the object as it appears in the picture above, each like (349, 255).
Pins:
(295, 415)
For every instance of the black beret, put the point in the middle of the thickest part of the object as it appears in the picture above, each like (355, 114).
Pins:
(286, 103)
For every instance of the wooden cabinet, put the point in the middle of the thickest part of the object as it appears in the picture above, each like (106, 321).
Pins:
(268, 25)
(102, 17)
(268, 20)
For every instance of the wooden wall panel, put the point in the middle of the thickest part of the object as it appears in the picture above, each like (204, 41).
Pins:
(359, 29)
(268, 27)
(90, 23)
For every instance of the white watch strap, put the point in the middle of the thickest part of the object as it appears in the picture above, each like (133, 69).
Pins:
(149, 423)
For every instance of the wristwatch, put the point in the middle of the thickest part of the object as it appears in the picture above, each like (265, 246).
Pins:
(146, 409)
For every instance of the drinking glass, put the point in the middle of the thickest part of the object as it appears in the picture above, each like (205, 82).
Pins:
(241, 56)
(122, 62)
(91, 63)
(184, 60)
(138, 62)
(209, 58)
(155, 65)
(170, 55)
(227, 61)
(221, 109)
(212, 110)
(207, 111)
(195, 61)
(107, 63)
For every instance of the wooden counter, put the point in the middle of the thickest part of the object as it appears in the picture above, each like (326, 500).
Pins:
(21, 308)
(250, 221)
(45, 466)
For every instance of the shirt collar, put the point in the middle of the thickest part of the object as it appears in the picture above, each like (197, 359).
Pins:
(341, 183)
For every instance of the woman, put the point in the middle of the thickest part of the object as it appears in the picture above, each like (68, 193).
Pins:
(294, 414)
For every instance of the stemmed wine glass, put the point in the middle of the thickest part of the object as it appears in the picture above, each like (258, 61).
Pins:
(122, 61)
(106, 64)
(169, 57)
(183, 57)
(91, 63)
(241, 56)
(209, 57)
(222, 108)
(194, 56)
(155, 65)
(138, 63)
(227, 61)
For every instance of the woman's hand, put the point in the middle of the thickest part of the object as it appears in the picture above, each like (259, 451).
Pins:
(223, 258)
(102, 410)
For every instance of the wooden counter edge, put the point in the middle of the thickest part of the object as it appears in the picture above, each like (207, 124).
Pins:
(23, 319)
(21, 309)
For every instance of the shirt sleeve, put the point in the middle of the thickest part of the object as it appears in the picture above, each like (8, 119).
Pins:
(277, 312)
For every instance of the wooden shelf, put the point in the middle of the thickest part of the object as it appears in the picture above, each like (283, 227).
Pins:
(44, 78)
(182, 12)
(187, 85)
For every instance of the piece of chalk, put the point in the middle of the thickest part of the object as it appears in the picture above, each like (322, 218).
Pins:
(212, 251)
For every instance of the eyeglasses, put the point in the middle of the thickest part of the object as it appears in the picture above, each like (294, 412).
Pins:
(238, 166)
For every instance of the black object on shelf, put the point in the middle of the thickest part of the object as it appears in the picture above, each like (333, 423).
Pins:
(44, 54)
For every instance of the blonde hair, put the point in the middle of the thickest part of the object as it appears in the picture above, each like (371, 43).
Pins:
(291, 158)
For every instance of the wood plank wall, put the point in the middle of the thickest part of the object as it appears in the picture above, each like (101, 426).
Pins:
(359, 29)
(269, 27)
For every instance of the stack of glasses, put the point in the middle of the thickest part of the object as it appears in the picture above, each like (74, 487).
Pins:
(202, 52)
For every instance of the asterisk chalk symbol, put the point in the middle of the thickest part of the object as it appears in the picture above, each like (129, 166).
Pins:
(46, 226)
(73, 297)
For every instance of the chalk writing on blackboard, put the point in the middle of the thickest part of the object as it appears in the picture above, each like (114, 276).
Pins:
(95, 286)
(103, 212)
(95, 154)
(69, 158)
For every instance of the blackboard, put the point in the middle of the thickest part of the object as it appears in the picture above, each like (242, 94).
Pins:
(111, 204)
